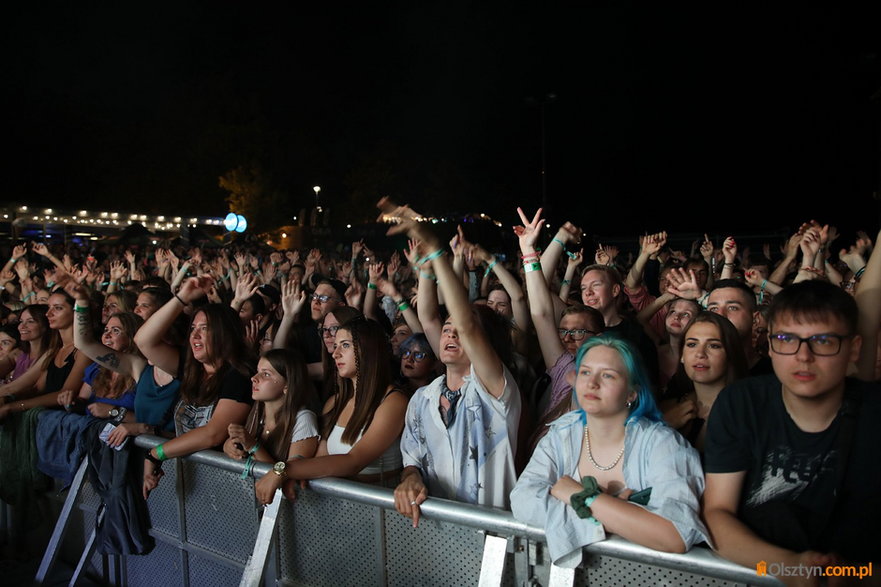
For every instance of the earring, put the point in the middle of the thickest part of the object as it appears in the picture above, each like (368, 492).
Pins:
(629, 405)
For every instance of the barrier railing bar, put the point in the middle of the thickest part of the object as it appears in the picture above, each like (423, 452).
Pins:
(253, 575)
(492, 567)
(181, 517)
(84, 558)
(61, 525)
(698, 560)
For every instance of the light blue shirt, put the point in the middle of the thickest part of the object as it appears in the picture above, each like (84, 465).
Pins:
(655, 456)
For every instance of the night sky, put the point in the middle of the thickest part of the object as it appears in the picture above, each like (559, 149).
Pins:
(742, 117)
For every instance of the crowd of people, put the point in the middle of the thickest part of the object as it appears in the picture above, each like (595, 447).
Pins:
(675, 399)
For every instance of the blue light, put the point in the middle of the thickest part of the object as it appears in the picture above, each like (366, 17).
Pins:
(230, 222)
(242, 223)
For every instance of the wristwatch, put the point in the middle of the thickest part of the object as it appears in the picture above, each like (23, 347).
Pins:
(279, 467)
(118, 414)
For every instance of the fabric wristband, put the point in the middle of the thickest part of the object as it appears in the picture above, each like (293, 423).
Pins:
(579, 501)
(529, 267)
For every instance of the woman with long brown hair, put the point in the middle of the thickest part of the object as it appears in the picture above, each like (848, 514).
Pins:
(214, 374)
(281, 425)
(362, 423)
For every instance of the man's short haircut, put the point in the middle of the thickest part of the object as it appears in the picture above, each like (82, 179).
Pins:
(614, 274)
(737, 284)
(814, 300)
(594, 315)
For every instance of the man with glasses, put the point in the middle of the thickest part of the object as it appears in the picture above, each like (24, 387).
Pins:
(791, 458)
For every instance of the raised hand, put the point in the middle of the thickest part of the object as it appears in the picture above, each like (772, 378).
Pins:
(707, 249)
(729, 249)
(293, 298)
(528, 232)
(683, 284)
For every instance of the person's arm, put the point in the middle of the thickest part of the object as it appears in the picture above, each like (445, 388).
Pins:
(810, 246)
(386, 287)
(181, 274)
(790, 252)
(386, 426)
(729, 253)
(649, 245)
(707, 251)
(293, 299)
(550, 258)
(149, 337)
(375, 271)
(625, 519)
(245, 288)
(212, 434)
(572, 264)
(43, 250)
(541, 304)
(868, 298)
(519, 307)
(732, 538)
(485, 363)
(18, 251)
(427, 306)
(129, 364)
(645, 315)
(25, 385)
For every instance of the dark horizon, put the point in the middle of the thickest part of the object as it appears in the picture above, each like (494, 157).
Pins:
(664, 118)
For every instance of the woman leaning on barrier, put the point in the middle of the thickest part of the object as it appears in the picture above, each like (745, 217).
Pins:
(612, 465)
(214, 372)
(362, 423)
(281, 425)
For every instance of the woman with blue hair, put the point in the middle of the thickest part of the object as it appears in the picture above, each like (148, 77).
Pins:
(612, 465)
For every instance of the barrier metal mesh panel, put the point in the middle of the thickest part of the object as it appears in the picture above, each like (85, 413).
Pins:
(435, 553)
(606, 571)
(216, 518)
(329, 542)
(161, 568)
(163, 503)
(208, 573)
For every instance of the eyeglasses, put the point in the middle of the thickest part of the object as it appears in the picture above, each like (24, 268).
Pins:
(824, 345)
(329, 331)
(415, 355)
(322, 298)
(577, 334)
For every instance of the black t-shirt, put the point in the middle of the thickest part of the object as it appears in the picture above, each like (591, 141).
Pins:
(750, 430)
(632, 331)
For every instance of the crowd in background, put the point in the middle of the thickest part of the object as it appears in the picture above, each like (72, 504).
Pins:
(589, 393)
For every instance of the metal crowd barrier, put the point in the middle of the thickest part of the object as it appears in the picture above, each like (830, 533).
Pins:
(210, 531)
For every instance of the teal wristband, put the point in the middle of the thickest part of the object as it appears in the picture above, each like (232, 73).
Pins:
(160, 453)
(431, 256)
(559, 242)
(425, 275)
(489, 268)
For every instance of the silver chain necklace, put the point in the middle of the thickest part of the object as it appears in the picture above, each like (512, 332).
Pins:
(590, 455)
